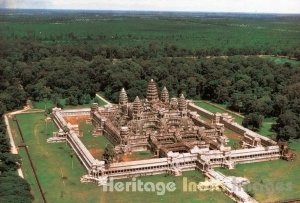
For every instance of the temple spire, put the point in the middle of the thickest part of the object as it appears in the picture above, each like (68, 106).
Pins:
(174, 103)
(137, 106)
(152, 93)
(164, 97)
(123, 99)
(182, 103)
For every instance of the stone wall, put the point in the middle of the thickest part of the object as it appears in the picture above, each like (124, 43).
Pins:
(265, 141)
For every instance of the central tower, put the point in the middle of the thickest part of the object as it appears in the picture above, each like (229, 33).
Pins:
(152, 93)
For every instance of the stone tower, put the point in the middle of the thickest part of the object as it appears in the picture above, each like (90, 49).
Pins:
(123, 99)
(182, 105)
(152, 93)
(123, 102)
(124, 133)
(137, 108)
(174, 103)
(164, 96)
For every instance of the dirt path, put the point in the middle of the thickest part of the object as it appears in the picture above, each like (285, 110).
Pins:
(14, 149)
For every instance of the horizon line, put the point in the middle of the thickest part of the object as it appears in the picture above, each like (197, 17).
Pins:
(158, 11)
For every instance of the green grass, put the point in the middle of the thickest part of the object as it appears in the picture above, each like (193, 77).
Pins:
(280, 60)
(100, 101)
(29, 176)
(46, 104)
(95, 144)
(266, 176)
(233, 143)
(142, 154)
(53, 161)
(266, 128)
(233, 137)
(208, 107)
(214, 108)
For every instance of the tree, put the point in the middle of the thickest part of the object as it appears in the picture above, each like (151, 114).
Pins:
(2, 108)
(14, 189)
(253, 121)
(109, 154)
(4, 143)
(11, 161)
(287, 125)
(280, 104)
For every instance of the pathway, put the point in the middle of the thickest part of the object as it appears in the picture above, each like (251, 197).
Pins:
(100, 97)
(14, 149)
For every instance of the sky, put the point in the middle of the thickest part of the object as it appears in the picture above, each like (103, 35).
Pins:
(249, 6)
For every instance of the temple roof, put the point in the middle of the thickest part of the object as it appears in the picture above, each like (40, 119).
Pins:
(182, 103)
(152, 93)
(164, 97)
(137, 106)
(123, 99)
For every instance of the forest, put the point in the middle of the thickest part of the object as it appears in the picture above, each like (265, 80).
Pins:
(246, 84)
(73, 66)
(133, 34)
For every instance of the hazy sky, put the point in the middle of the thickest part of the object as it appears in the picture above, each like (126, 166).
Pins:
(257, 6)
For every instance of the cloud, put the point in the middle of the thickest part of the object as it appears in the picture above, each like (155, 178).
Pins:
(265, 6)
(25, 4)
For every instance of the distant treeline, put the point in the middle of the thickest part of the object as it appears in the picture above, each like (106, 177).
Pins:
(146, 36)
(85, 48)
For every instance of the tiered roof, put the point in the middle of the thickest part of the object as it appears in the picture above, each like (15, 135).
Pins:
(123, 99)
(164, 97)
(137, 106)
(182, 103)
(152, 93)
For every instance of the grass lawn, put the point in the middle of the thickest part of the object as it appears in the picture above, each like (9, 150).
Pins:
(142, 154)
(233, 137)
(266, 127)
(271, 181)
(233, 143)
(95, 144)
(280, 60)
(61, 182)
(100, 101)
(214, 108)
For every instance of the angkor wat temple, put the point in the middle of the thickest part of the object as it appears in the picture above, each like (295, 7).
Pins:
(157, 123)
(173, 130)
